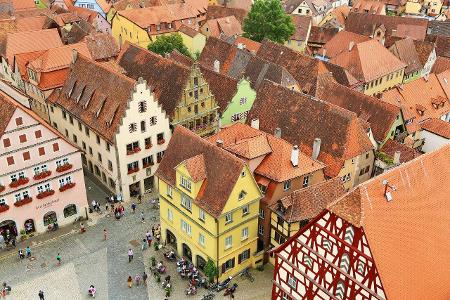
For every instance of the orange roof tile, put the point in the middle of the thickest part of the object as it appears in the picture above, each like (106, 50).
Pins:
(31, 23)
(250, 45)
(53, 79)
(229, 26)
(369, 7)
(444, 80)
(196, 167)
(105, 5)
(341, 42)
(302, 26)
(23, 4)
(409, 235)
(437, 126)
(406, 153)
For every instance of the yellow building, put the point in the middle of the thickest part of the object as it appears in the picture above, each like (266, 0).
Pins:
(413, 7)
(192, 39)
(209, 203)
(373, 65)
(433, 7)
(299, 39)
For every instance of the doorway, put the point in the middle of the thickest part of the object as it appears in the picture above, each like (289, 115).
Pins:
(148, 184)
(29, 226)
(8, 230)
(50, 218)
(135, 189)
(201, 262)
(187, 253)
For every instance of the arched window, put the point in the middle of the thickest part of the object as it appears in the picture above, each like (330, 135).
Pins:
(70, 210)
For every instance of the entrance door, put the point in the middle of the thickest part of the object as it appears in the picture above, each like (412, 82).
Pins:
(29, 226)
(201, 262)
(187, 253)
(135, 189)
(50, 218)
(171, 238)
(8, 230)
(148, 183)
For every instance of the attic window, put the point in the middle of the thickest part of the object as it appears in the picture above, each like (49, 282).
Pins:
(81, 94)
(109, 122)
(242, 195)
(100, 108)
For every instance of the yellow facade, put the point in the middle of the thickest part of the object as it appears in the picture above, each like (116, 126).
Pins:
(205, 235)
(194, 44)
(433, 7)
(125, 30)
(413, 7)
(384, 83)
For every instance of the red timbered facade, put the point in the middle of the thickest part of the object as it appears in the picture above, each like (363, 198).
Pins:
(327, 259)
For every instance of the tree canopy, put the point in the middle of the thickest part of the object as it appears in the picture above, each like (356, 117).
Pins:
(167, 43)
(267, 19)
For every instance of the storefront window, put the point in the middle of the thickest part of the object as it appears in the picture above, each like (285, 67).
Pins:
(70, 210)
(50, 218)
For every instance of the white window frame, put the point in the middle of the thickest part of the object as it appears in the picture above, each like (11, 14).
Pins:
(186, 202)
(201, 214)
(245, 210)
(169, 191)
(305, 181)
(186, 227)
(61, 162)
(229, 218)
(261, 229)
(169, 215)
(242, 195)
(244, 233)
(261, 213)
(185, 183)
(3, 201)
(287, 185)
(201, 239)
(292, 281)
(228, 242)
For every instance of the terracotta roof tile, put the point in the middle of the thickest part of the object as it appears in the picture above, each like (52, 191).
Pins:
(444, 80)
(102, 46)
(166, 77)
(405, 50)
(415, 221)
(196, 167)
(341, 42)
(215, 189)
(249, 44)
(105, 5)
(406, 153)
(189, 31)
(302, 26)
(31, 23)
(368, 61)
(23, 59)
(369, 7)
(306, 203)
(302, 118)
(104, 93)
(321, 35)
(437, 126)
(423, 49)
(440, 65)
(7, 110)
(53, 79)
(380, 115)
(23, 4)
(217, 11)
(123, 4)
(227, 26)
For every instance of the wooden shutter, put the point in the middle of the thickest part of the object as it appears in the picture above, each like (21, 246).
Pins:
(239, 258)
(224, 268)
(41, 151)
(55, 147)
(6, 142)
(38, 134)
(232, 262)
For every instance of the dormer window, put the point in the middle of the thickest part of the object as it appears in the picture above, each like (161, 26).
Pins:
(186, 183)
(158, 27)
(32, 74)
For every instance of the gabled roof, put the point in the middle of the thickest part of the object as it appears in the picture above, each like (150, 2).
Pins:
(406, 153)
(415, 222)
(321, 35)
(31, 23)
(123, 4)
(7, 109)
(368, 61)
(302, 25)
(369, 7)
(227, 26)
(250, 143)
(423, 49)
(167, 77)
(217, 186)
(307, 203)
(440, 65)
(444, 80)
(217, 11)
(437, 126)
(438, 28)
(96, 95)
(341, 42)
(196, 167)
(302, 118)
(380, 115)
(303, 68)
(405, 50)
(443, 46)
(102, 46)
(248, 44)
(189, 31)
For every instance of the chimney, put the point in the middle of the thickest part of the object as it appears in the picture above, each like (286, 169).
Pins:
(255, 123)
(316, 148)
(219, 143)
(74, 55)
(397, 157)
(240, 46)
(217, 66)
(350, 45)
(277, 132)
(294, 156)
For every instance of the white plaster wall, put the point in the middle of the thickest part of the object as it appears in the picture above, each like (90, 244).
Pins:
(433, 141)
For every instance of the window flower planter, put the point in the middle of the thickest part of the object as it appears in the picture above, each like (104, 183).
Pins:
(42, 175)
(67, 186)
(19, 182)
(159, 159)
(2, 188)
(148, 165)
(64, 168)
(45, 194)
(135, 150)
(3, 208)
(131, 171)
(23, 201)
(148, 146)
(161, 141)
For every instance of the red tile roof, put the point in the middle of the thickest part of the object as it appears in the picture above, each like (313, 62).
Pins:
(409, 234)
(228, 26)
(440, 65)
(249, 44)
(102, 46)
(321, 35)
(217, 11)
(31, 23)
(406, 153)
(341, 42)
(437, 126)
(302, 26)
(369, 7)
(196, 167)
(405, 50)
(218, 185)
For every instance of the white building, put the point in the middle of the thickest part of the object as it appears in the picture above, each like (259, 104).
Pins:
(435, 133)
(117, 121)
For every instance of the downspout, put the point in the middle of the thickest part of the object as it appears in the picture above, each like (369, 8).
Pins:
(217, 251)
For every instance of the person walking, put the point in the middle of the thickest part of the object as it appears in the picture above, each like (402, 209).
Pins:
(149, 240)
(144, 278)
(105, 234)
(137, 279)
(130, 255)
(28, 251)
(130, 281)
(133, 207)
(58, 259)
(41, 295)
(142, 217)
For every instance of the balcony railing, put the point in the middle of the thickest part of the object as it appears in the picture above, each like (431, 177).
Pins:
(19, 182)
(3, 208)
(23, 201)
(44, 194)
(64, 168)
(67, 186)
(42, 175)
(135, 150)
(161, 141)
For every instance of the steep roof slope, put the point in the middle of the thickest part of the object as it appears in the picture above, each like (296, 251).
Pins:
(341, 42)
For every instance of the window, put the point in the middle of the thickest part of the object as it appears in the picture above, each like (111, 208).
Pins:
(242, 195)
(142, 126)
(66, 132)
(23, 138)
(169, 215)
(346, 178)
(201, 214)
(132, 127)
(229, 264)
(38, 134)
(83, 144)
(169, 191)
(243, 100)
(26, 155)
(228, 242)
(2, 202)
(142, 106)
(41, 151)
(261, 213)
(97, 137)
(75, 139)
(261, 229)
(305, 181)
(244, 256)
(55, 147)
(285, 296)
(37, 170)
(10, 160)
(228, 218)
(108, 147)
(186, 202)
(86, 130)
(110, 165)
(55, 125)
(292, 281)
(99, 157)
(243, 174)
(160, 138)
(153, 121)
(19, 121)
(245, 210)
(79, 126)
(90, 150)
(71, 120)
(184, 182)
(201, 239)
(244, 233)
(6, 143)
(186, 227)
(70, 210)
(287, 185)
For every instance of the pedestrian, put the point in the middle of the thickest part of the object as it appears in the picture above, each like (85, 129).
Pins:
(133, 207)
(153, 230)
(28, 251)
(106, 207)
(130, 255)
(58, 259)
(105, 234)
(144, 244)
(41, 295)
(142, 217)
(112, 208)
(149, 240)
(139, 198)
(130, 281)
(144, 278)
(137, 279)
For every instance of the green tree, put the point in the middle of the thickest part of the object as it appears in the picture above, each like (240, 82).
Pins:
(267, 19)
(167, 43)
(211, 270)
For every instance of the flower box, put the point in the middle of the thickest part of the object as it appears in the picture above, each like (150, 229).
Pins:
(18, 182)
(67, 186)
(135, 150)
(159, 159)
(2, 188)
(45, 194)
(161, 141)
(148, 165)
(42, 175)
(3, 208)
(148, 146)
(23, 201)
(64, 168)
(131, 171)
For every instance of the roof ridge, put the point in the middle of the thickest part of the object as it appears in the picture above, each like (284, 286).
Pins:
(105, 67)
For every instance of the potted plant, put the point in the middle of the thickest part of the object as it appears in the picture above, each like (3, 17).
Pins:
(23, 201)
(156, 246)
(64, 167)
(42, 175)
(211, 270)
(67, 186)
(23, 234)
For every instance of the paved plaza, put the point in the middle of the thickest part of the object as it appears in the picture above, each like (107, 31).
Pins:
(88, 259)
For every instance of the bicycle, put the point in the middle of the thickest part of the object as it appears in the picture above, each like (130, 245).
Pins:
(246, 273)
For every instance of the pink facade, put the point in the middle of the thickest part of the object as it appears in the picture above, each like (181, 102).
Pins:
(41, 175)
